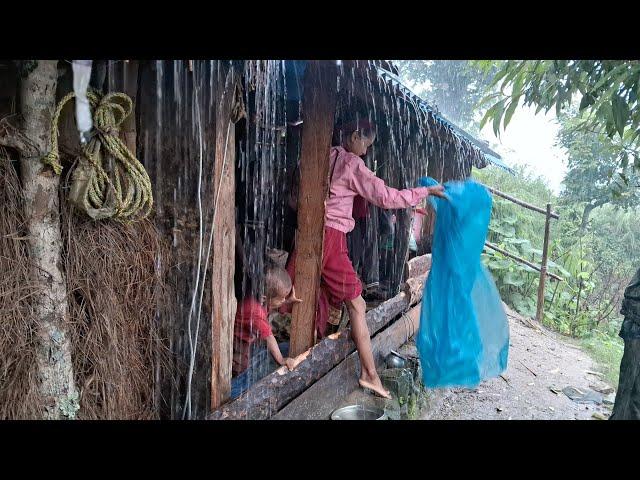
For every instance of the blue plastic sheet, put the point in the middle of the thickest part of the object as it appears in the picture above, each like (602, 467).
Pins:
(463, 337)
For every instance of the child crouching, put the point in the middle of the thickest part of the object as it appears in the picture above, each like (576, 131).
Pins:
(253, 339)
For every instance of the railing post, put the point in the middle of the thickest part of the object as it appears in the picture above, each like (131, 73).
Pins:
(543, 267)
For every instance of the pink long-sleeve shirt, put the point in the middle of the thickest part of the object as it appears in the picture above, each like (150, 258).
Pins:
(351, 177)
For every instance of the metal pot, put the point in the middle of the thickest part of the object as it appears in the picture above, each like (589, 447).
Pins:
(358, 412)
(395, 360)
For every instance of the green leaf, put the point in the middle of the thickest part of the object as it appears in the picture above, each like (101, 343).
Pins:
(587, 100)
(625, 179)
(510, 111)
(504, 230)
(490, 113)
(516, 241)
(527, 268)
(497, 117)
(499, 75)
(620, 111)
(536, 252)
(511, 219)
(513, 279)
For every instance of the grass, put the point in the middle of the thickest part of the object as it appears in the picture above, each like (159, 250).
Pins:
(606, 351)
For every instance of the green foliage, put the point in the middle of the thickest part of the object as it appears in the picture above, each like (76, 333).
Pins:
(454, 87)
(595, 263)
(595, 177)
(595, 246)
(608, 91)
(606, 348)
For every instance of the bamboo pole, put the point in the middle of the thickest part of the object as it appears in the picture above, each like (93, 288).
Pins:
(543, 269)
(521, 260)
(520, 202)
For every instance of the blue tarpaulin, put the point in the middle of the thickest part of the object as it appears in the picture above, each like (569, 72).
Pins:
(463, 337)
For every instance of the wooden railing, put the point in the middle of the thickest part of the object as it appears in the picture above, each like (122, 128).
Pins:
(545, 247)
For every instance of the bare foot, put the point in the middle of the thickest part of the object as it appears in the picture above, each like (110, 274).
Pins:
(376, 388)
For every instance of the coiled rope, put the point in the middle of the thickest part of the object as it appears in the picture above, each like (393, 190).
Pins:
(109, 181)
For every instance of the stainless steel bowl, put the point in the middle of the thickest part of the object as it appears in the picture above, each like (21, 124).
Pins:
(395, 360)
(358, 412)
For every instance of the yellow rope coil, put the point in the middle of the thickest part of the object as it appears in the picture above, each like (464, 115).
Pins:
(109, 180)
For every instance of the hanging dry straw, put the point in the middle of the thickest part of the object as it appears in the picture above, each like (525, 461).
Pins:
(115, 280)
(18, 382)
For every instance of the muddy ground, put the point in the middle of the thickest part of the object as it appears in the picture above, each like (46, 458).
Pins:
(539, 360)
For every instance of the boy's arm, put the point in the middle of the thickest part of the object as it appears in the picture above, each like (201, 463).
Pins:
(291, 298)
(274, 349)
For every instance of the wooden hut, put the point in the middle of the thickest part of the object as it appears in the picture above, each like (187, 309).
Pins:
(221, 142)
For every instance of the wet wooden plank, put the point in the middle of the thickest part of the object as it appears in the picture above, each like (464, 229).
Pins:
(418, 266)
(317, 402)
(273, 392)
(224, 234)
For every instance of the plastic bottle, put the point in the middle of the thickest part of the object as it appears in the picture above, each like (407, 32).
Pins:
(81, 77)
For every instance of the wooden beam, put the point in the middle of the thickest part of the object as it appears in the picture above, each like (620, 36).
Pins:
(520, 259)
(273, 392)
(224, 234)
(414, 287)
(520, 202)
(543, 267)
(418, 266)
(317, 402)
(130, 82)
(318, 106)
(400, 248)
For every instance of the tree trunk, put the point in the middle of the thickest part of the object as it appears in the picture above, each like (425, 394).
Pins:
(585, 216)
(55, 370)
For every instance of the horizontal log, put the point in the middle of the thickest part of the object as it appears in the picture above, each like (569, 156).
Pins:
(318, 401)
(520, 202)
(274, 391)
(418, 266)
(413, 288)
(521, 260)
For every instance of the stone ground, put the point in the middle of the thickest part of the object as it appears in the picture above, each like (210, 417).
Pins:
(539, 360)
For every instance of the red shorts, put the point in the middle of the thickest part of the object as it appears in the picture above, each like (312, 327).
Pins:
(339, 281)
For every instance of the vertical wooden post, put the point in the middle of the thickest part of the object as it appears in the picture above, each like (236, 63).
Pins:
(130, 87)
(318, 107)
(223, 307)
(543, 267)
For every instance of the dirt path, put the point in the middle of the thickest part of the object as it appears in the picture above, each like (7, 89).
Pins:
(538, 361)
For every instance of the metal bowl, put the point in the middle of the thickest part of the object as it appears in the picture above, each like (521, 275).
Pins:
(395, 360)
(358, 412)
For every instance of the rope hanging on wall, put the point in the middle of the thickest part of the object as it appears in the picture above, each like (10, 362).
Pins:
(108, 180)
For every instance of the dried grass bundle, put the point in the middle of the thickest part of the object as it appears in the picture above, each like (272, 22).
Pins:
(116, 280)
(19, 398)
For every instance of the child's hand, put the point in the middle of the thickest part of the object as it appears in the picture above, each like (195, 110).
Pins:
(437, 191)
(292, 296)
(290, 363)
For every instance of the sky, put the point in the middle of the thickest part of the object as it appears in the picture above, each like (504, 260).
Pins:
(530, 140)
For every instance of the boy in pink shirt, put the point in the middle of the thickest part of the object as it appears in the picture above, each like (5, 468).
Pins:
(349, 177)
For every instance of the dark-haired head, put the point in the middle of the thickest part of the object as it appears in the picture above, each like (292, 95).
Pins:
(355, 135)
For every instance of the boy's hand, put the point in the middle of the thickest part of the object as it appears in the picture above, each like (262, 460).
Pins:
(437, 191)
(292, 296)
(290, 363)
